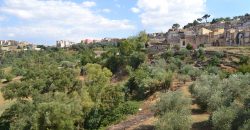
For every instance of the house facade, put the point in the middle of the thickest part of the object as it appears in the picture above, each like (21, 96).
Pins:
(64, 43)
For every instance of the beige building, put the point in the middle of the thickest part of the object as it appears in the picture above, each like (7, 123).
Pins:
(216, 38)
(64, 43)
(204, 31)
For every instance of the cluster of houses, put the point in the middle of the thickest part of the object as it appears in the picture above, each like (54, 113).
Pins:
(235, 32)
(67, 43)
(12, 45)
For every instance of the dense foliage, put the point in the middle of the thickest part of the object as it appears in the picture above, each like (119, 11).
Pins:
(227, 99)
(95, 86)
(173, 111)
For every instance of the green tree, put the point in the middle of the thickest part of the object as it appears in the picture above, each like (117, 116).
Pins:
(176, 26)
(200, 20)
(189, 47)
(222, 118)
(206, 16)
(173, 111)
(136, 59)
(96, 79)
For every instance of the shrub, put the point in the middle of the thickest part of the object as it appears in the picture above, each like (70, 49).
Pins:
(191, 71)
(201, 46)
(184, 78)
(176, 47)
(219, 54)
(185, 69)
(204, 88)
(246, 125)
(136, 59)
(200, 54)
(18, 71)
(172, 101)
(174, 121)
(9, 77)
(189, 47)
(214, 61)
(2, 75)
(173, 111)
(244, 60)
(244, 69)
(175, 61)
(148, 79)
(212, 92)
(222, 118)
(169, 53)
(242, 121)
(183, 53)
(101, 118)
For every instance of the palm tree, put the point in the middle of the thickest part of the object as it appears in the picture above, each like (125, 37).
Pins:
(206, 16)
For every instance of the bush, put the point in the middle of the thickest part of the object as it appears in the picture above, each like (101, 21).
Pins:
(146, 80)
(212, 92)
(169, 53)
(101, 118)
(9, 77)
(244, 69)
(219, 54)
(246, 125)
(183, 53)
(176, 62)
(172, 101)
(184, 78)
(173, 111)
(204, 88)
(189, 47)
(222, 118)
(176, 47)
(136, 59)
(174, 121)
(191, 71)
(214, 61)
(2, 75)
(244, 60)
(18, 71)
(200, 54)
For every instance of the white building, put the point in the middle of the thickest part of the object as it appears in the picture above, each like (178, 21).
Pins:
(64, 43)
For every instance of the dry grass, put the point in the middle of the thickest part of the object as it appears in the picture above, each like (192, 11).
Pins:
(199, 117)
(244, 50)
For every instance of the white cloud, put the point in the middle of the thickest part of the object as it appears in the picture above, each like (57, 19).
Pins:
(88, 4)
(135, 10)
(56, 19)
(106, 10)
(159, 15)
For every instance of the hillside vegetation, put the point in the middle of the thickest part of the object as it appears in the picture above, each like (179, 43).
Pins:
(77, 89)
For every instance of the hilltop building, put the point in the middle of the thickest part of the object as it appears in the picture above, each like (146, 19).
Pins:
(64, 43)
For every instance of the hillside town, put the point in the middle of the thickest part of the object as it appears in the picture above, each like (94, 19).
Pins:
(219, 32)
(13, 45)
(226, 32)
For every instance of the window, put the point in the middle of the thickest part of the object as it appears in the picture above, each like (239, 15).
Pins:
(183, 43)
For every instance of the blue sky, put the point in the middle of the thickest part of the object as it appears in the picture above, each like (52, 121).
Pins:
(45, 21)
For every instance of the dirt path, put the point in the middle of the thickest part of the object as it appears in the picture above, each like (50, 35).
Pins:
(145, 119)
(199, 117)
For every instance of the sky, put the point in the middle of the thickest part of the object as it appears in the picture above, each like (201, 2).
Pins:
(45, 21)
